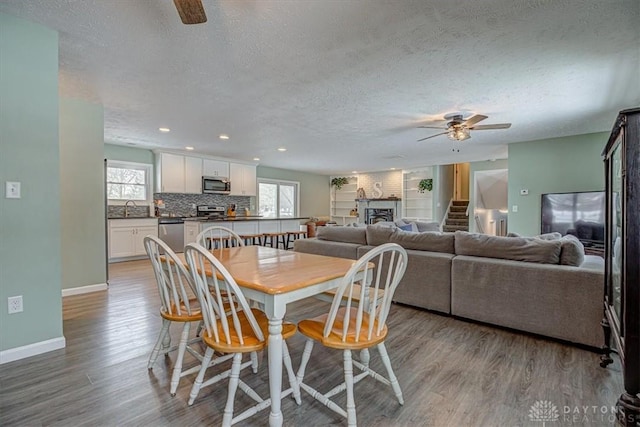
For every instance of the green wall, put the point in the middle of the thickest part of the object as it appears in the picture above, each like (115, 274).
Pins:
(82, 194)
(30, 261)
(314, 189)
(128, 154)
(554, 165)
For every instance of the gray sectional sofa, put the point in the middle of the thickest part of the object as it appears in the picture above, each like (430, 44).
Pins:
(544, 285)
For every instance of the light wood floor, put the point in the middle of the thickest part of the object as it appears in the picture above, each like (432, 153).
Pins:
(452, 373)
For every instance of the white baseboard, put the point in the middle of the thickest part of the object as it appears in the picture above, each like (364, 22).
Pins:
(84, 289)
(34, 349)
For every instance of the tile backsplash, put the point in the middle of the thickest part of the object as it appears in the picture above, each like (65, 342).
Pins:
(184, 204)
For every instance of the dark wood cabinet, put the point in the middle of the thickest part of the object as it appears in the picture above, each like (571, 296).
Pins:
(622, 259)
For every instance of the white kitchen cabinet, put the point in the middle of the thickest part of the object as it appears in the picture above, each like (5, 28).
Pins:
(193, 174)
(243, 179)
(170, 170)
(212, 167)
(178, 174)
(126, 236)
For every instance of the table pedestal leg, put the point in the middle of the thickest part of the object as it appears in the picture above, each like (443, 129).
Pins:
(275, 371)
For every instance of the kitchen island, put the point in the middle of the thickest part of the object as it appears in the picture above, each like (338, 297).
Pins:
(241, 225)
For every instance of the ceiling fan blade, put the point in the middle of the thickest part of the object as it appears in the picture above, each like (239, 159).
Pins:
(487, 127)
(474, 119)
(191, 11)
(433, 136)
(432, 127)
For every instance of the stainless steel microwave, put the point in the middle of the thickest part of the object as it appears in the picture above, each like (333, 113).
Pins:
(216, 185)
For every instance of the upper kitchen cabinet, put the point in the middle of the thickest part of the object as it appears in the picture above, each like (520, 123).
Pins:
(215, 168)
(193, 174)
(169, 173)
(243, 179)
(176, 173)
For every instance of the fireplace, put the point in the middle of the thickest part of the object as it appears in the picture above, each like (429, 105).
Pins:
(374, 215)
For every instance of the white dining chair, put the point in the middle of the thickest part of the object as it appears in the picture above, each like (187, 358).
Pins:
(351, 326)
(217, 237)
(240, 330)
(178, 304)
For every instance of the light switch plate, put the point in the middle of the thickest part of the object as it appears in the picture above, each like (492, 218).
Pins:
(514, 208)
(12, 190)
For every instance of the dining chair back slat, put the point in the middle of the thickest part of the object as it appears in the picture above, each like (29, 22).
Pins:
(217, 237)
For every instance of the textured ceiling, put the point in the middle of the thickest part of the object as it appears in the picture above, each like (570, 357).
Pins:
(343, 84)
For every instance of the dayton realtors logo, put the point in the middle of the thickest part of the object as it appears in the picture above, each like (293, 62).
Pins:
(545, 411)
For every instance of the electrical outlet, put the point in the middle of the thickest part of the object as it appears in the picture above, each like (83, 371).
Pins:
(14, 304)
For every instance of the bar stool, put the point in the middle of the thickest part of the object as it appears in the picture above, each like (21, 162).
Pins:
(252, 239)
(293, 235)
(274, 239)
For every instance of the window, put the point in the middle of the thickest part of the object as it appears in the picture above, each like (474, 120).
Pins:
(128, 181)
(278, 199)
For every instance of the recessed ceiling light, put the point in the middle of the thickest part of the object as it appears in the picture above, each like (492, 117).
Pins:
(164, 130)
(223, 136)
(188, 148)
(256, 158)
(392, 169)
(282, 149)
(354, 171)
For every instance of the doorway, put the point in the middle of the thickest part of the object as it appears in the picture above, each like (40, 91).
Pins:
(490, 206)
(461, 181)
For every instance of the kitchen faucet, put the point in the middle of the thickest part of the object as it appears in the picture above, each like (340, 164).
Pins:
(126, 207)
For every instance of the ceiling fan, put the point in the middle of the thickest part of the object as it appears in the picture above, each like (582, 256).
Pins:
(458, 128)
(191, 11)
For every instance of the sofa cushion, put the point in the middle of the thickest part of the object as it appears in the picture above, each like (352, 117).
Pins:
(550, 236)
(528, 249)
(432, 241)
(572, 252)
(427, 226)
(343, 234)
(377, 235)
(327, 248)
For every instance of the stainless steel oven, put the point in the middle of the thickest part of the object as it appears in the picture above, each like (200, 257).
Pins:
(216, 185)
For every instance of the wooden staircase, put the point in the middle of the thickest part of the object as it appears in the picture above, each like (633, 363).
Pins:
(457, 218)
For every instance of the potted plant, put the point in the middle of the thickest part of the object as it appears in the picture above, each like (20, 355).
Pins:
(339, 181)
(425, 184)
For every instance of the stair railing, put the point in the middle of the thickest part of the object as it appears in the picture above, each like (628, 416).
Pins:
(479, 226)
(446, 214)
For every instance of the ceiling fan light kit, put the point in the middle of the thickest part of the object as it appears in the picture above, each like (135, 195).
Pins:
(459, 134)
(459, 129)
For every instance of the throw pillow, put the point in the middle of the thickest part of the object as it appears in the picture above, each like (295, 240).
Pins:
(412, 227)
(427, 226)
(572, 251)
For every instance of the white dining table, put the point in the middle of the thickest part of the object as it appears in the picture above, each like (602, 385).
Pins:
(274, 278)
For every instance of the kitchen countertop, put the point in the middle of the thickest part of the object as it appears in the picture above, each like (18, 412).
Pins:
(242, 218)
(131, 217)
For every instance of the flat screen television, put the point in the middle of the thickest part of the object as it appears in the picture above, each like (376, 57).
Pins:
(581, 214)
